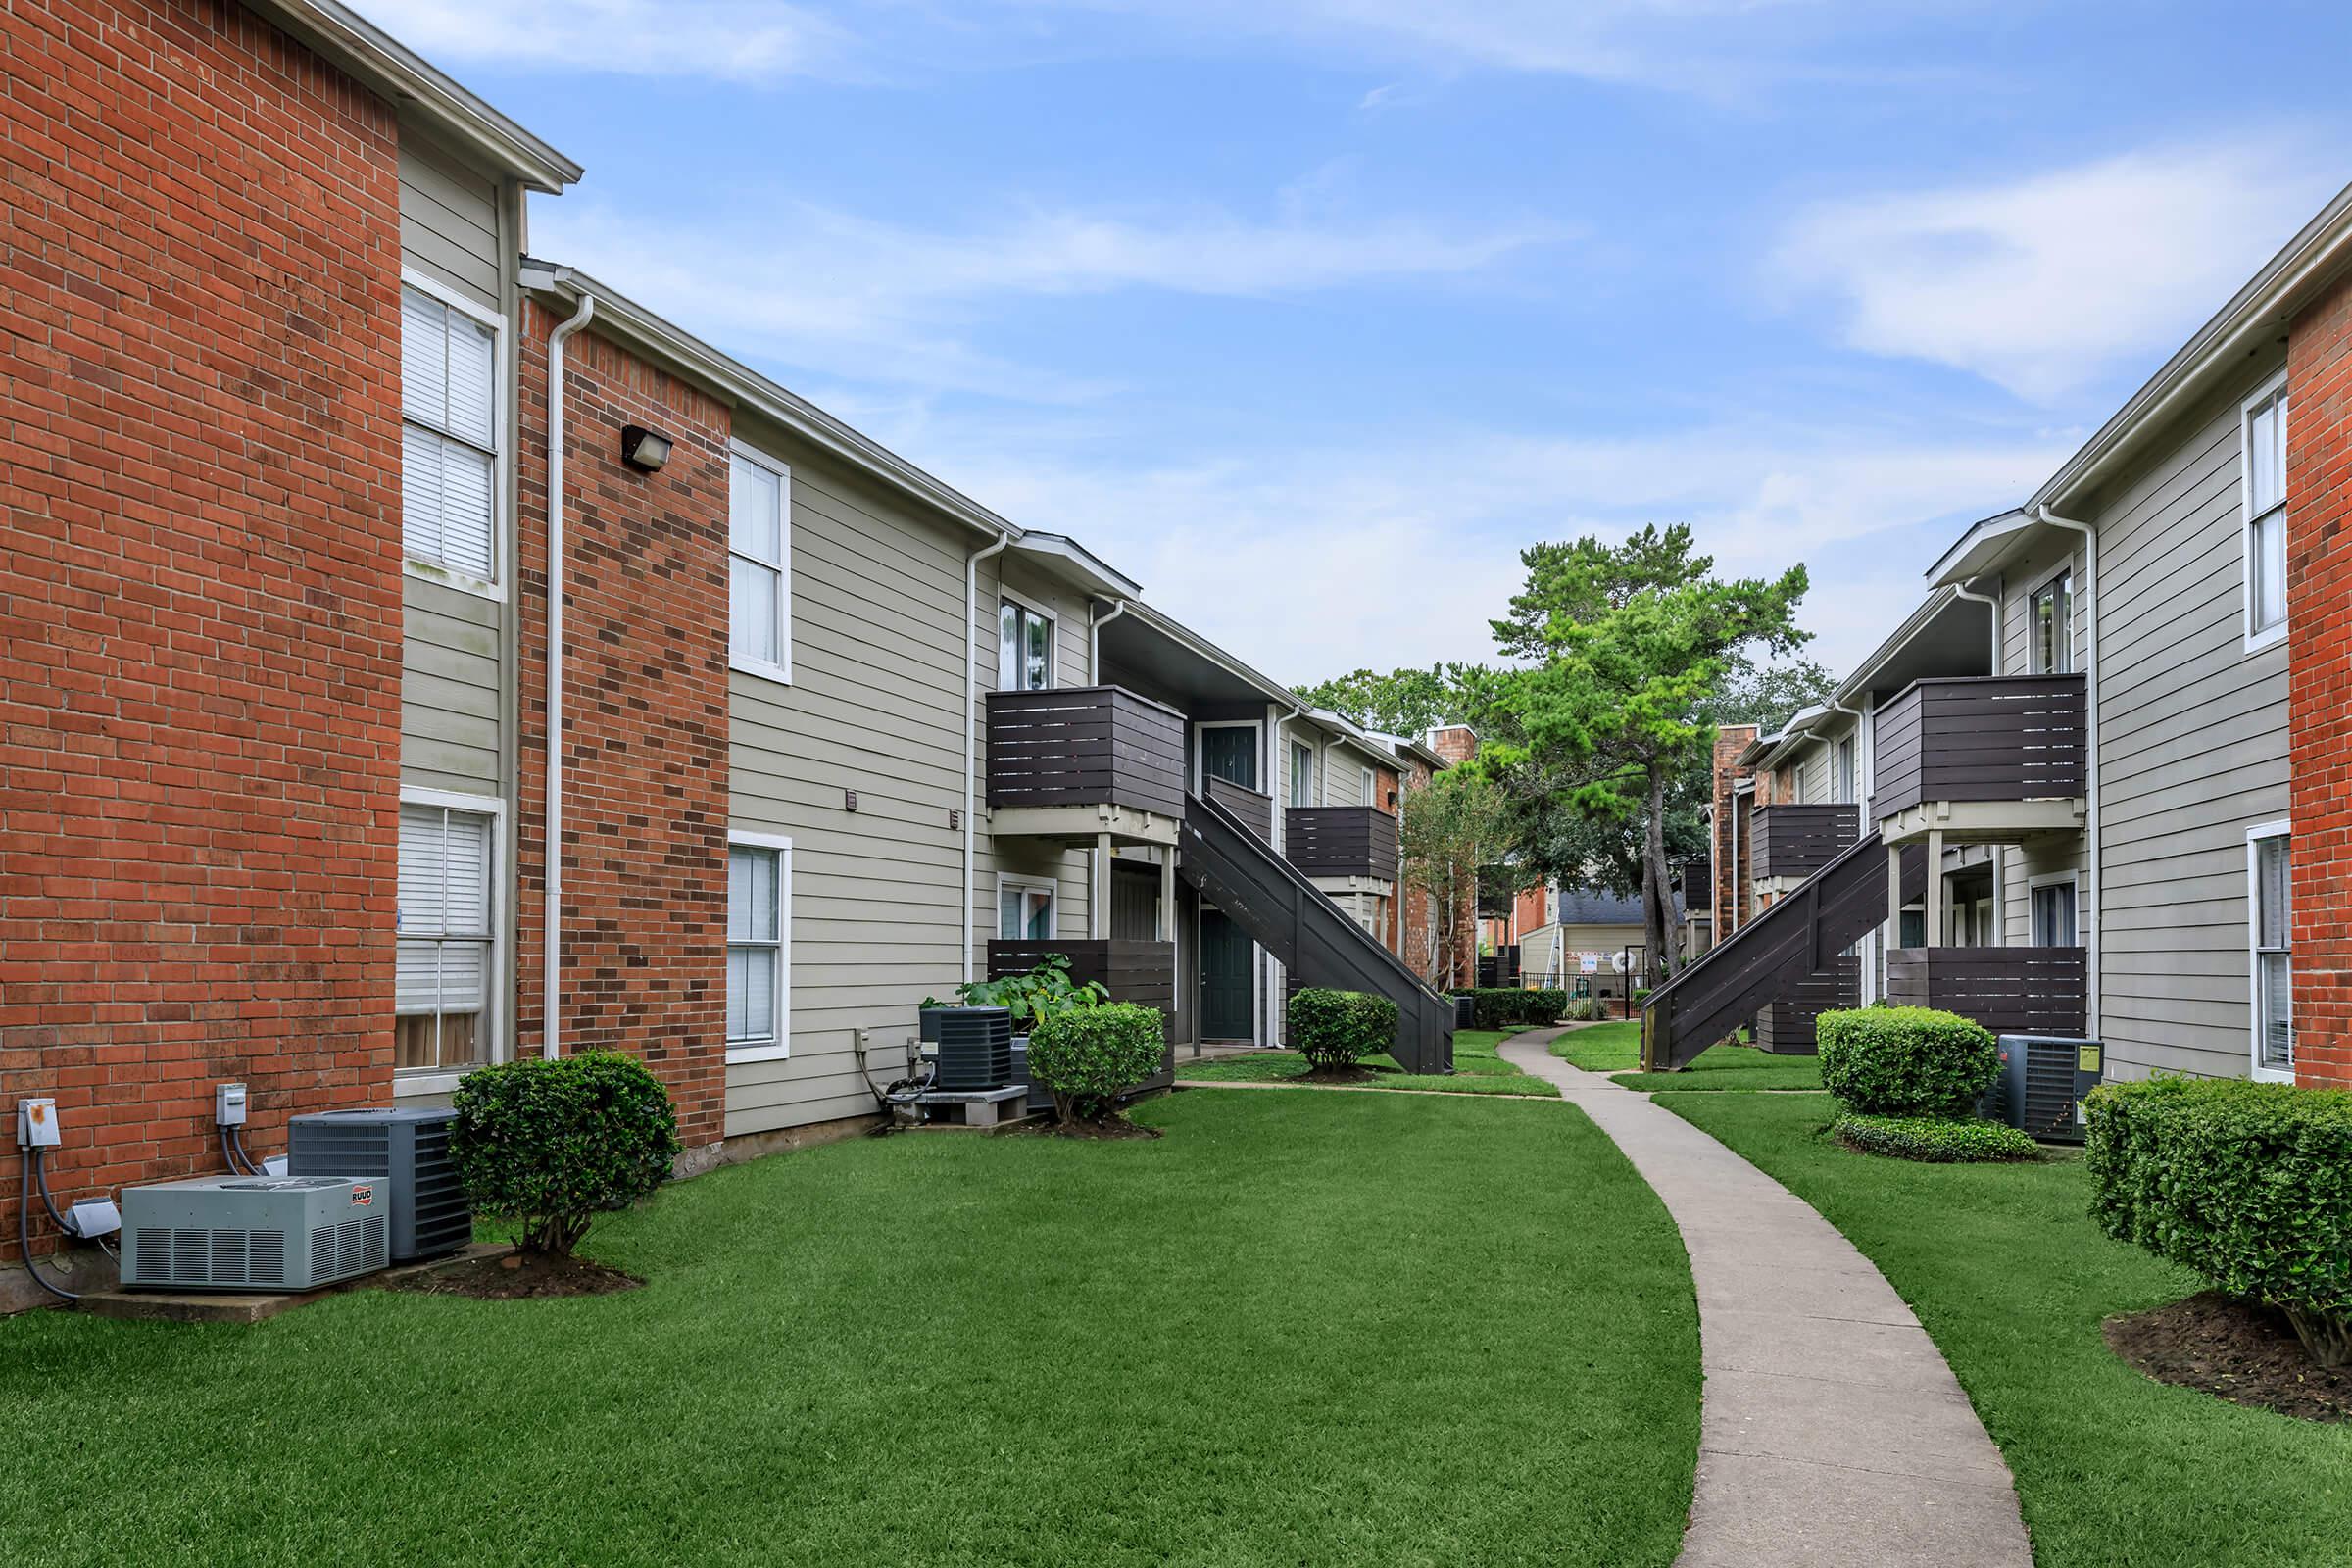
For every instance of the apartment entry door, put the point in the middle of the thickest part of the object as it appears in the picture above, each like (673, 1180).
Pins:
(1227, 1007)
(1230, 752)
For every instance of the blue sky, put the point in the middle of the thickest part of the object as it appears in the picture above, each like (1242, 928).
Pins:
(1309, 314)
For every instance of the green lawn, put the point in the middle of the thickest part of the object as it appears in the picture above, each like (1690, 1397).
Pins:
(1297, 1329)
(2006, 1270)
(1477, 1069)
(1616, 1050)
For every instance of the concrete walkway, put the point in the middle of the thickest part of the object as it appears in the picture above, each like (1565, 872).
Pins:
(1832, 1433)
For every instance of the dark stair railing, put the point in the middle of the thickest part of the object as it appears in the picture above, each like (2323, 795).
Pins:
(1310, 936)
(1768, 959)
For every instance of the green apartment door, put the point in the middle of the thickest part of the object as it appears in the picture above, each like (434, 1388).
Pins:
(1227, 1010)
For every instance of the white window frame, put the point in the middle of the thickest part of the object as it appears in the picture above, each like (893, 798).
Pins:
(781, 670)
(1047, 885)
(1199, 771)
(437, 1081)
(502, 478)
(2273, 390)
(2064, 574)
(781, 1047)
(1053, 622)
(2255, 835)
(2052, 879)
(1292, 789)
(1368, 787)
(1844, 770)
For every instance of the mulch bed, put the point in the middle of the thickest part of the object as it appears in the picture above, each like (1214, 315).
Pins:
(516, 1276)
(1117, 1130)
(1340, 1075)
(2245, 1354)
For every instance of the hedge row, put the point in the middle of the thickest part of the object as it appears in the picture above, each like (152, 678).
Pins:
(1934, 1140)
(1906, 1062)
(1509, 1008)
(2249, 1184)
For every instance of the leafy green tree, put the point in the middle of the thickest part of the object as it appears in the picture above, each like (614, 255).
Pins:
(1448, 829)
(1628, 648)
(1403, 702)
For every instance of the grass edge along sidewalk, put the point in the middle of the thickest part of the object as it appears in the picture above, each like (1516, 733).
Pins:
(2011, 1279)
(1615, 1049)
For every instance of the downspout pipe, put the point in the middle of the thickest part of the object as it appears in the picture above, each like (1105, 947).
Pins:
(1094, 645)
(1961, 590)
(1998, 857)
(551, 940)
(2090, 680)
(1097, 889)
(971, 704)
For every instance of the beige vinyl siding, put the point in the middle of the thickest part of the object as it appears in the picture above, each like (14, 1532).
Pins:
(456, 711)
(875, 707)
(449, 218)
(2193, 744)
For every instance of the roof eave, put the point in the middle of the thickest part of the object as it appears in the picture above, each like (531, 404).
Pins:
(389, 67)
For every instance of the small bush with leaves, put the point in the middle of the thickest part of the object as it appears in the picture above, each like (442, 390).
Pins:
(2249, 1184)
(1934, 1140)
(1906, 1062)
(1036, 994)
(547, 1146)
(1087, 1057)
(1585, 1009)
(1336, 1029)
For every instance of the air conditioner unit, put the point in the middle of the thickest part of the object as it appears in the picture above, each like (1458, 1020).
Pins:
(975, 1049)
(409, 1144)
(2043, 1079)
(253, 1233)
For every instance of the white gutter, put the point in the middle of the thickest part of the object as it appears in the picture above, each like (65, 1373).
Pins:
(551, 1008)
(1961, 590)
(971, 703)
(1094, 645)
(2091, 679)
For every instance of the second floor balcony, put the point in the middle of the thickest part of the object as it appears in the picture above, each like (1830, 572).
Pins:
(1081, 763)
(1988, 758)
(1337, 842)
(1788, 844)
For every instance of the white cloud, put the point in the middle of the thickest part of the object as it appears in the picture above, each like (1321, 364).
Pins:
(1311, 562)
(878, 302)
(2044, 284)
(736, 41)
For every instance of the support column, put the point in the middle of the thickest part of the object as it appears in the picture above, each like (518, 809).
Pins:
(1894, 894)
(1097, 903)
(1934, 922)
(1167, 895)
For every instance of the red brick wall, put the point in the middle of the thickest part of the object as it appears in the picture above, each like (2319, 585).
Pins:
(200, 594)
(2319, 577)
(645, 784)
(1727, 898)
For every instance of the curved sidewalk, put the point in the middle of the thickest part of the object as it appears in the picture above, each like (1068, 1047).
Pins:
(1832, 1433)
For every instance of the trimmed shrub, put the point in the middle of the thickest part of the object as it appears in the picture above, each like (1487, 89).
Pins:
(2249, 1184)
(547, 1146)
(1335, 1029)
(1088, 1056)
(1585, 1009)
(1935, 1140)
(1906, 1062)
(1510, 1008)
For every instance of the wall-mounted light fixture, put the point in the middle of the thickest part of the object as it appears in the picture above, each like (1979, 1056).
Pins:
(644, 450)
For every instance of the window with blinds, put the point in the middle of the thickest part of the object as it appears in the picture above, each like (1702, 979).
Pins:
(2265, 443)
(760, 559)
(2274, 1009)
(449, 436)
(758, 918)
(441, 983)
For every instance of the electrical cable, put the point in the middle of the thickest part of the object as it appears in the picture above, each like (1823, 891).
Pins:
(25, 1186)
(253, 1167)
(228, 1152)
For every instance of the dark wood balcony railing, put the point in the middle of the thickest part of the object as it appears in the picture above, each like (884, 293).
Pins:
(1978, 738)
(1340, 841)
(1140, 972)
(1255, 808)
(1085, 746)
(2010, 990)
(1797, 841)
